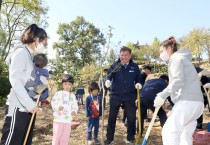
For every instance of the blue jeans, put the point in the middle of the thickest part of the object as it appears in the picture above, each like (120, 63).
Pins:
(92, 122)
(80, 99)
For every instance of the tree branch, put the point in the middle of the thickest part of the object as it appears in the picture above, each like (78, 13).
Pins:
(12, 6)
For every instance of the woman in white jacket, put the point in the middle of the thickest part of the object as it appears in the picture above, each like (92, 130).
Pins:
(185, 92)
(21, 69)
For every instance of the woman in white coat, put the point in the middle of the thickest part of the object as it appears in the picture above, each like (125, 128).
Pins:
(185, 92)
(21, 70)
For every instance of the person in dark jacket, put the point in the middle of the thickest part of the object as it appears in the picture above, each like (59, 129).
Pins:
(123, 78)
(80, 94)
(204, 79)
(146, 70)
(93, 109)
(148, 93)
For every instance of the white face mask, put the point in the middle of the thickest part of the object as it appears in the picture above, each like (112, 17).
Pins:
(40, 48)
(164, 55)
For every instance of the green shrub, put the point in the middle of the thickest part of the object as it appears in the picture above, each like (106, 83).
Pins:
(160, 68)
(4, 88)
(4, 83)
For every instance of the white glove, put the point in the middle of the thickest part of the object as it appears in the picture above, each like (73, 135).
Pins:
(158, 102)
(138, 86)
(168, 114)
(107, 83)
(207, 85)
(200, 75)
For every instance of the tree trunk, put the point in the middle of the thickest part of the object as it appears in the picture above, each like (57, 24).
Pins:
(0, 4)
(208, 50)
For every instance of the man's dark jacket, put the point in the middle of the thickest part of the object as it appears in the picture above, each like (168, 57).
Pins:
(152, 87)
(123, 80)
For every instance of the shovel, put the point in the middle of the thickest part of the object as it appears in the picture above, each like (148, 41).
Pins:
(208, 98)
(150, 126)
(138, 139)
(39, 89)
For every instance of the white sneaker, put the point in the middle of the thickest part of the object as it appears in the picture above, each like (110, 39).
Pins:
(129, 142)
(90, 142)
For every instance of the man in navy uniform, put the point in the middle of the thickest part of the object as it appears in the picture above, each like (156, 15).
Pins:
(123, 78)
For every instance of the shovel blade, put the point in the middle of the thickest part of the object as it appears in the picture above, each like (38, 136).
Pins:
(40, 88)
(144, 141)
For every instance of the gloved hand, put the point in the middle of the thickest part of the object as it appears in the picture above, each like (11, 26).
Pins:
(200, 75)
(168, 114)
(107, 83)
(138, 85)
(207, 85)
(158, 102)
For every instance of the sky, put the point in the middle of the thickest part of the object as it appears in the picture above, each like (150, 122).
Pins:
(132, 20)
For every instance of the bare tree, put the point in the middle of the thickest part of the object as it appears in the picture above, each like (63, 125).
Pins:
(17, 15)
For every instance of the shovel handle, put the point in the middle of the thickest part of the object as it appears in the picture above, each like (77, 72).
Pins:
(150, 126)
(31, 121)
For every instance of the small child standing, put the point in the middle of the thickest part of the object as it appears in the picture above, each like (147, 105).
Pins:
(64, 105)
(93, 109)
